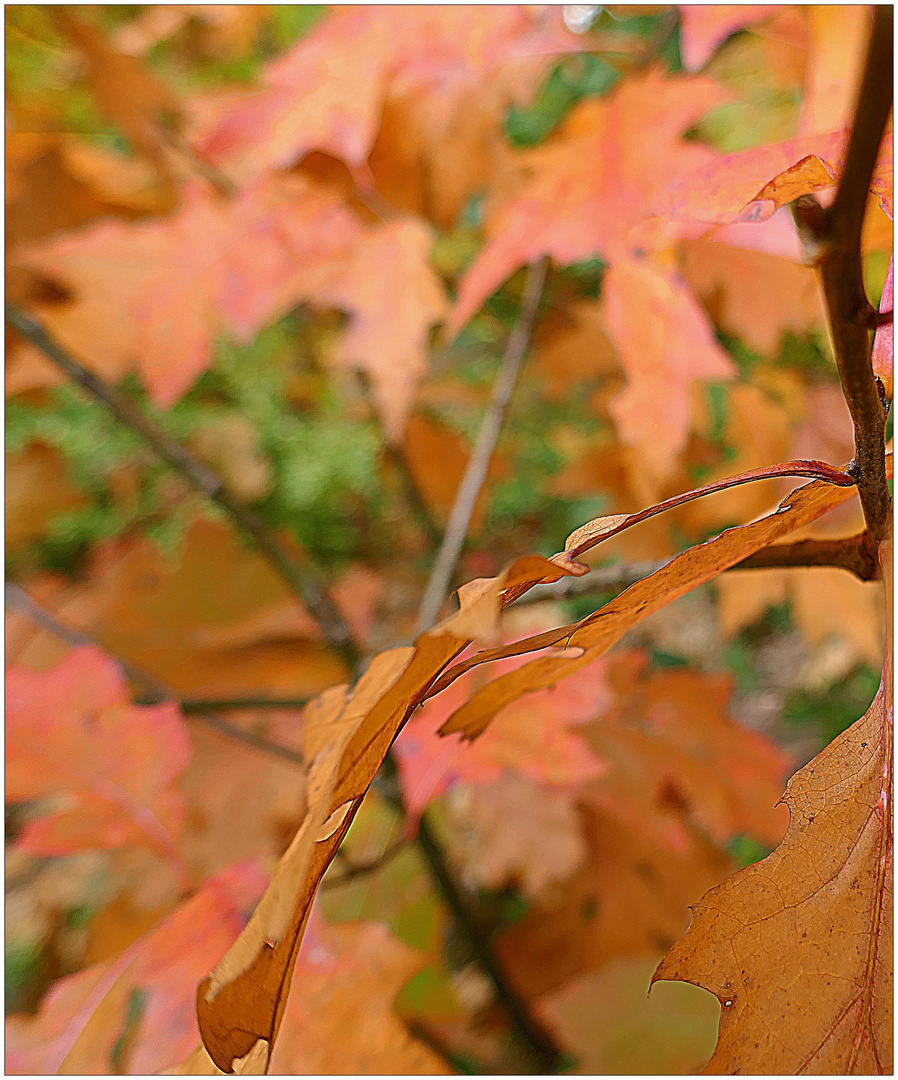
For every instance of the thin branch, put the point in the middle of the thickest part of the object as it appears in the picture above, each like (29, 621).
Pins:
(478, 463)
(837, 237)
(849, 554)
(156, 690)
(303, 579)
(546, 1055)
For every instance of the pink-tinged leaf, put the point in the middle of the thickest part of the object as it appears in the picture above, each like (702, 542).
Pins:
(571, 213)
(533, 738)
(394, 297)
(73, 732)
(155, 295)
(665, 342)
(737, 187)
(84, 1016)
(328, 92)
(884, 341)
(704, 27)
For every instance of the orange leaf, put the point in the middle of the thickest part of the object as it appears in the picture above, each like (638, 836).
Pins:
(798, 947)
(572, 213)
(73, 731)
(884, 341)
(586, 640)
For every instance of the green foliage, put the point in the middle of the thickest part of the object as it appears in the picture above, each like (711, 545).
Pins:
(829, 712)
(745, 850)
(571, 80)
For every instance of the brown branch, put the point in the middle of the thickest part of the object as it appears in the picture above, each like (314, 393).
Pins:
(303, 578)
(157, 691)
(851, 553)
(478, 463)
(413, 496)
(836, 233)
(200, 705)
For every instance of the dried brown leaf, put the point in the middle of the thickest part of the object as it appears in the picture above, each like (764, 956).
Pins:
(798, 948)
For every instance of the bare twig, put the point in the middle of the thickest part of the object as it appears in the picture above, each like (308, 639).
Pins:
(156, 690)
(303, 578)
(200, 705)
(478, 464)
(836, 233)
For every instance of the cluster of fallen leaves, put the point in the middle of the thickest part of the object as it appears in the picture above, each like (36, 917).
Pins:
(363, 176)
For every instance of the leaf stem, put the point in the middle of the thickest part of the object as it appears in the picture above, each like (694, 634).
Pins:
(837, 236)
(479, 462)
(302, 577)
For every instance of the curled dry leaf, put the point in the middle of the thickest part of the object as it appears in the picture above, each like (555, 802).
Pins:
(588, 639)
(241, 1004)
(798, 948)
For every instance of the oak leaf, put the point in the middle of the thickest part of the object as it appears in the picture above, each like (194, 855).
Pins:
(798, 947)
(73, 732)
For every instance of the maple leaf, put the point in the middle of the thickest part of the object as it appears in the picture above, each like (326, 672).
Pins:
(155, 295)
(327, 93)
(704, 27)
(73, 731)
(570, 213)
(664, 340)
(84, 1017)
(798, 947)
(394, 297)
(339, 1016)
(751, 185)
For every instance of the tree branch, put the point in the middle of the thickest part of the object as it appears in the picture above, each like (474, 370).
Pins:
(837, 237)
(851, 553)
(354, 871)
(478, 463)
(303, 578)
(156, 690)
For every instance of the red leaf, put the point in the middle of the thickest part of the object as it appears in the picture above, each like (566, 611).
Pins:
(74, 731)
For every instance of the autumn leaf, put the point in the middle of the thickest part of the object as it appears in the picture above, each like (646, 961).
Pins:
(664, 340)
(884, 341)
(493, 829)
(572, 214)
(798, 947)
(143, 1000)
(241, 1004)
(587, 640)
(327, 93)
(340, 1016)
(536, 739)
(155, 295)
(72, 732)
